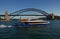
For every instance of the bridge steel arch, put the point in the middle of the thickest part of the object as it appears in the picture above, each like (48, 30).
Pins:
(29, 9)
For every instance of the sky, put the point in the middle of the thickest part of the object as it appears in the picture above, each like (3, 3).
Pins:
(48, 6)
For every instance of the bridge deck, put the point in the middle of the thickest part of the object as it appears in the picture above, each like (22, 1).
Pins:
(23, 15)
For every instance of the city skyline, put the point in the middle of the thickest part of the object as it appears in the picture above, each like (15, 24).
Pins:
(46, 5)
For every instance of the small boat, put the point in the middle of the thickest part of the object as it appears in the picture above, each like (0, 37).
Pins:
(32, 23)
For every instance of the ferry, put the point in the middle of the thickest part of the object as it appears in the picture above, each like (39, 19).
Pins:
(25, 23)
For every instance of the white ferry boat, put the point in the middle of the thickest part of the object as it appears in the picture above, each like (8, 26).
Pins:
(32, 23)
(36, 22)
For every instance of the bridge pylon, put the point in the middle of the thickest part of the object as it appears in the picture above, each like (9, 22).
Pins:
(7, 18)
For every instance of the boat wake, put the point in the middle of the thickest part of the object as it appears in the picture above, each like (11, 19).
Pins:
(5, 26)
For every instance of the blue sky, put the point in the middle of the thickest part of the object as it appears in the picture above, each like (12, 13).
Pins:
(46, 5)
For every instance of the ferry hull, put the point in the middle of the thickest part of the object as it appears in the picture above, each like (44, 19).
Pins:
(29, 25)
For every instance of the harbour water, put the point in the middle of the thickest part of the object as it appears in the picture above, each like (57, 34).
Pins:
(50, 31)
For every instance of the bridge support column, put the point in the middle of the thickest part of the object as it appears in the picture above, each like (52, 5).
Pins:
(7, 18)
(53, 16)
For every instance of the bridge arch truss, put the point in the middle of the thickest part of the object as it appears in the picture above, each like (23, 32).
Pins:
(29, 9)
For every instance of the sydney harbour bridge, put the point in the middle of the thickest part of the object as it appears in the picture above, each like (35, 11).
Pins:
(18, 13)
